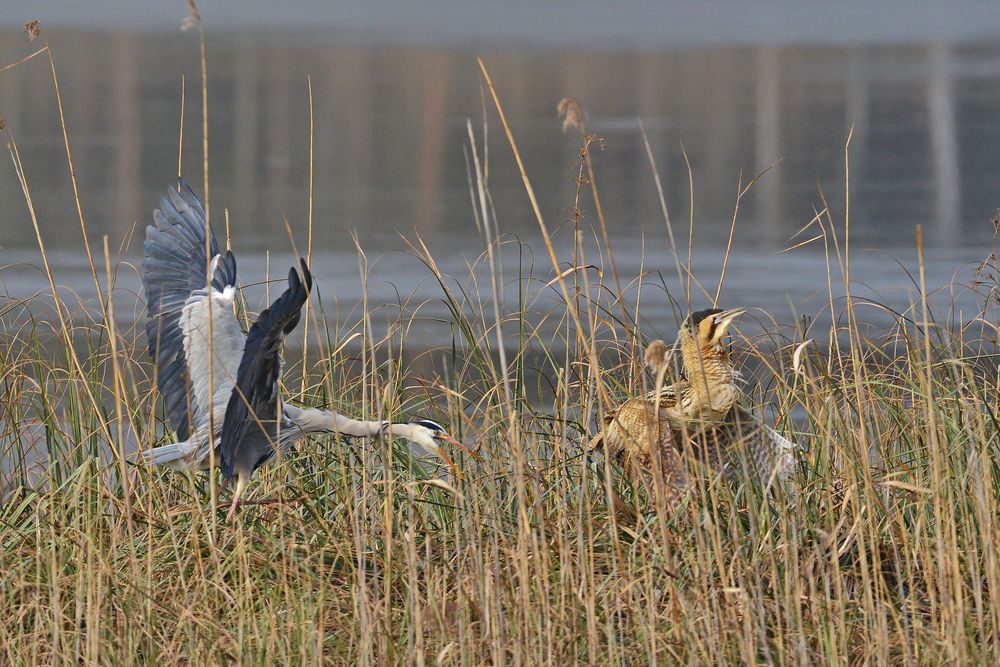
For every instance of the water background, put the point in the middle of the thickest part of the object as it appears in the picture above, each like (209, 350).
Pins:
(739, 88)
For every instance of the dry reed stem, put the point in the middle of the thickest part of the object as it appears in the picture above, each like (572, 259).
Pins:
(382, 565)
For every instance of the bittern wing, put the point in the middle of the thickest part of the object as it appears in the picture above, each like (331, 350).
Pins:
(666, 396)
(179, 297)
(254, 406)
(769, 454)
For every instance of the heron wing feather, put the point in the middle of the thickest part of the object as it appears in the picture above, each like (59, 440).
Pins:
(254, 404)
(175, 280)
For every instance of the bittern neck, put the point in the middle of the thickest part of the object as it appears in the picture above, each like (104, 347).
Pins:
(711, 375)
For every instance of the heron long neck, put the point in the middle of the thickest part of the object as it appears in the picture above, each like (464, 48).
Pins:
(314, 420)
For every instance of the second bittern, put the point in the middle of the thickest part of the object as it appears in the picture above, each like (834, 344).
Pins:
(697, 421)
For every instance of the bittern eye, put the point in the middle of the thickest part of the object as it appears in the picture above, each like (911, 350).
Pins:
(712, 324)
(697, 318)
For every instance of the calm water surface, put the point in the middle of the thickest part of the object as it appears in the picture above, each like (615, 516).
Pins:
(915, 84)
(391, 144)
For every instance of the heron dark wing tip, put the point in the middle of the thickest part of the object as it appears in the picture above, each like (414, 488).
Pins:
(306, 274)
(231, 263)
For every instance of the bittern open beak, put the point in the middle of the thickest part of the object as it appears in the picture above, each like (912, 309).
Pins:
(724, 319)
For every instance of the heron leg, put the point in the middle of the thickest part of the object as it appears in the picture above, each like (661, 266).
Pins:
(241, 485)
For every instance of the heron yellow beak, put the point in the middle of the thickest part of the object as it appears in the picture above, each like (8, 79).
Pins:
(444, 437)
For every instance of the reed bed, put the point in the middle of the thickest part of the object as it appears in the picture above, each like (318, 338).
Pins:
(884, 551)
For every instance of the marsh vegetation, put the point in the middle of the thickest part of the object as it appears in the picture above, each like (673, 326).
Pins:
(886, 553)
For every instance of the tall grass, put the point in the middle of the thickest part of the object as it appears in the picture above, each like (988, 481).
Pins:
(886, 551)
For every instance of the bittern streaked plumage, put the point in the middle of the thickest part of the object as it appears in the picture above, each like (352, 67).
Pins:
(699, 414)
(221, 387)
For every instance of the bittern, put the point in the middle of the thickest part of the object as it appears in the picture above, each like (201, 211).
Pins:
(700, 411)
(221, 387)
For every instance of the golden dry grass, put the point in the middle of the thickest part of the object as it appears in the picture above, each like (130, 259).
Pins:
(887, 552)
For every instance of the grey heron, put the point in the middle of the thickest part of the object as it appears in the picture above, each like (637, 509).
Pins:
(221, 387)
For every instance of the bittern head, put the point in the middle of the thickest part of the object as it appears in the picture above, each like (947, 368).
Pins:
(703, 334)
(706, 361)
(709, 327)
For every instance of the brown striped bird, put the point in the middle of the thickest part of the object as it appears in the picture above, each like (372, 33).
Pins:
(696, 422)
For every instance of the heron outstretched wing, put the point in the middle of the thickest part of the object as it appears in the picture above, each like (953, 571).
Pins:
(182, 310)
(254, 407)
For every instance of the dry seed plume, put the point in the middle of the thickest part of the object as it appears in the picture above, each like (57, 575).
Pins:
(192, 19)
(656, 355)
(572, 113)
(33, 29)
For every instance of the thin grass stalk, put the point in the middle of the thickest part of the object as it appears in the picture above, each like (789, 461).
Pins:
(180, 135)
(494, 286)
(118, 386)
(309, 241)
(663, 205)
(72, 175)
(63, 325)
